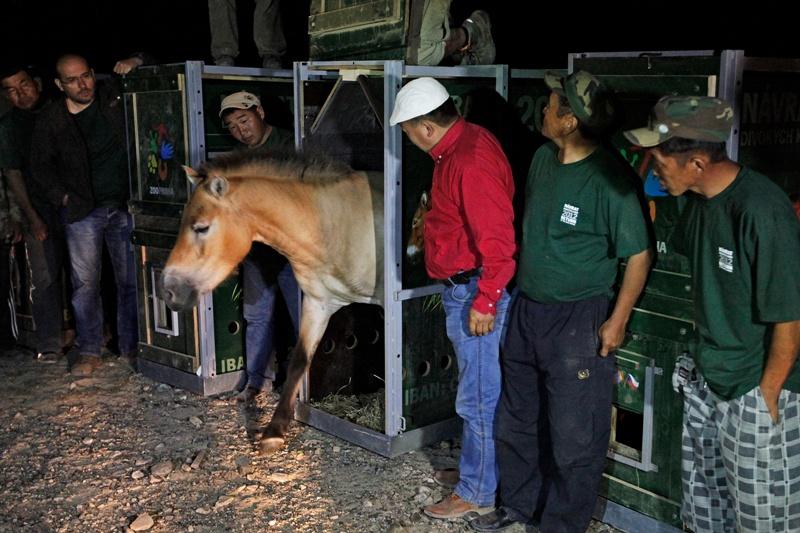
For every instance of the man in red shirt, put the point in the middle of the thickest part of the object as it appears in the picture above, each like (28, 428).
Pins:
(469, 247)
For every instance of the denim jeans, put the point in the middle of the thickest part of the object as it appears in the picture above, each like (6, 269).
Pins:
(259, 313)
(85, 244)
(45, 263)
(478, 392)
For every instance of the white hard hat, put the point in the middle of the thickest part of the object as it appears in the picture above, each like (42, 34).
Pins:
(417, 98)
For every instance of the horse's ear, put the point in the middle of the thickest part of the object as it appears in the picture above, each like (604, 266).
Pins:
(424, 200)
(192, 175)
(218, 186)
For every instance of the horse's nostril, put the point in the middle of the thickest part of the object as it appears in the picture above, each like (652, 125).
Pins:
(170, 295)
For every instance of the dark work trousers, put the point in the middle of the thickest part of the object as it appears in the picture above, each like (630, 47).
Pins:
(553, 420)
(7, 339)
(45, 263)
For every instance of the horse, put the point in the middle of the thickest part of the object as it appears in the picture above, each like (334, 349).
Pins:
(323, 216)
(416, 238)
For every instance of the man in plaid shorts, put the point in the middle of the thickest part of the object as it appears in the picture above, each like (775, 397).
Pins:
(741, 434)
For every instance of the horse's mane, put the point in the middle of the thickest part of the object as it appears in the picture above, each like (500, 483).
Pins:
(281, 164)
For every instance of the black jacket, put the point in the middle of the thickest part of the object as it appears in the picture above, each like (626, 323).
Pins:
(60, 158)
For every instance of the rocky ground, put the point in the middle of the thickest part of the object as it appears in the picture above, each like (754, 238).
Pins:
(119, 452)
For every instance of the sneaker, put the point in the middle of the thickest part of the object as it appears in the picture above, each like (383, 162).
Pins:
(453, 506)
(224, 61)
(48, 357)
(480, 48)
(447, 478)
(85, 366)
(270, 62)
(498, 520)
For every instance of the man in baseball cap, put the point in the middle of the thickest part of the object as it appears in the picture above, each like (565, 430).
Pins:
(263, 270)
(582, 218)
(469, 247)
(742, 238)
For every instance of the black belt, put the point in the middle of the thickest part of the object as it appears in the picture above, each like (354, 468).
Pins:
(461, 278)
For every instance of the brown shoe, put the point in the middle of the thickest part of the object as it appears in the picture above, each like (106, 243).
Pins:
(249, 394)
(85, 366)
(453, 506)
(447, 478)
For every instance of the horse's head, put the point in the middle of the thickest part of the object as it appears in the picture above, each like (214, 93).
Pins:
(416, 238)
(212, 241)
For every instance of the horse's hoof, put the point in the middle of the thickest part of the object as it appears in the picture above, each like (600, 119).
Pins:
(270, 445)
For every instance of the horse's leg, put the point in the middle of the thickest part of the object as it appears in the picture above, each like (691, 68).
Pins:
(313, 321)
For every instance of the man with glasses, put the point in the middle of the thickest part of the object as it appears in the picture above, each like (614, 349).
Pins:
(79, 162)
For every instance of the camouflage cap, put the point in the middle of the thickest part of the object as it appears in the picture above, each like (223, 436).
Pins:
(700, 118)
(582, 91)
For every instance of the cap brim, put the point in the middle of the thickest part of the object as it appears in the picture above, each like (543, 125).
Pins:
(554, 81)
(645, 137)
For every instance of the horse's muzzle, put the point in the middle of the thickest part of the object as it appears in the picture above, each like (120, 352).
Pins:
(177, 293)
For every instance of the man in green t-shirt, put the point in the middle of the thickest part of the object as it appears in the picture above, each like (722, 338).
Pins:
(264, 269)
(741, 431)
(582, 217)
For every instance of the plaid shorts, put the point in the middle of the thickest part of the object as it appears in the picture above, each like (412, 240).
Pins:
(740, 471)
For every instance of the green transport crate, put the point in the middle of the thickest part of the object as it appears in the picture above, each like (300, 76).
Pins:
(172, 119)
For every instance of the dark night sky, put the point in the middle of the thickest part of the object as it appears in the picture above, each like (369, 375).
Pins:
(529, 34)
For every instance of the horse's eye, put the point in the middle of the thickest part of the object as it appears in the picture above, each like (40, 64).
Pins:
(200, 228)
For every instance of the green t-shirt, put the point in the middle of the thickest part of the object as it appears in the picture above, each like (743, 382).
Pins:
(278, 138)
(107, 158)
(744, 249)
(580, 219)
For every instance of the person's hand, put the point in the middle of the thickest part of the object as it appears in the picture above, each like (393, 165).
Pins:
(38, 228)
(65, 200)
(611, 334)
(771, 399)
(479, 323)
(124, 66)
(14, 232)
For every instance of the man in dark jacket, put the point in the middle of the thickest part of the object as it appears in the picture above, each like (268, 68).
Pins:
(79, 160)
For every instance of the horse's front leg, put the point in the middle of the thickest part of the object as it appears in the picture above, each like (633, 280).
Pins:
(313, 321)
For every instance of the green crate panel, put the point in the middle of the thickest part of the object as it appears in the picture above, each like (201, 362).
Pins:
(631, 486)
(630, 380)
(430, 369)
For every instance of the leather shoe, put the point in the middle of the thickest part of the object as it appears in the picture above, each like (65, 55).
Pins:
(497, 520)
(453, 506)
(85, 366)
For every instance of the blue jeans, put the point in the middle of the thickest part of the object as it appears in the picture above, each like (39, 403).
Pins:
(85, 244)
(259, 313)
(478, 392)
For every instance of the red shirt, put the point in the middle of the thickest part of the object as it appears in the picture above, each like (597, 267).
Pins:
(470, 223)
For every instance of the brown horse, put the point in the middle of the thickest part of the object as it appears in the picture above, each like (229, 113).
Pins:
(416, 239)
(324, 217)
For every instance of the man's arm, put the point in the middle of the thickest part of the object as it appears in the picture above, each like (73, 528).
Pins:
(780, 362)
(612, 332)
(490, 219)
(125, 66)
(17, 186)
(43, 166)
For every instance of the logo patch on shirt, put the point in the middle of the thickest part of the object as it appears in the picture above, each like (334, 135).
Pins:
(725, 259)
(570, 214)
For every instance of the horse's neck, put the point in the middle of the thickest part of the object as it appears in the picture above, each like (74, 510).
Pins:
(280, 214)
